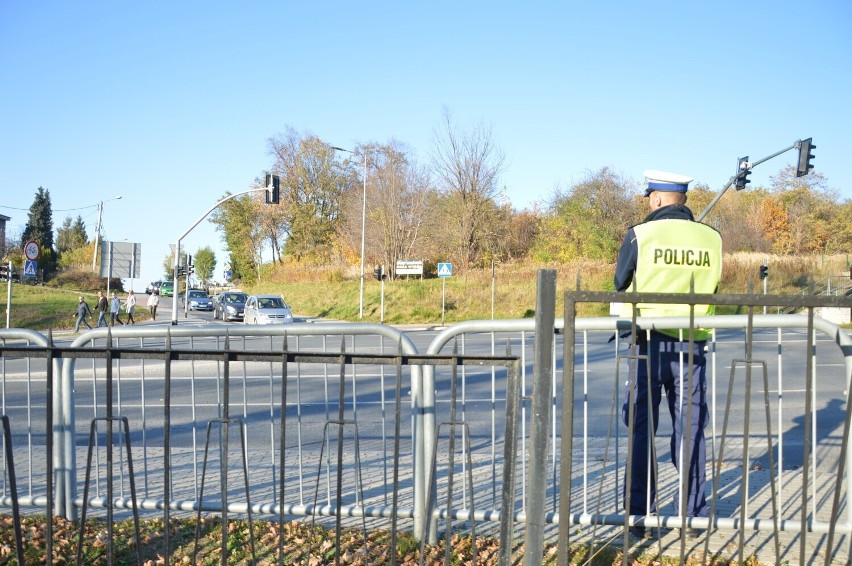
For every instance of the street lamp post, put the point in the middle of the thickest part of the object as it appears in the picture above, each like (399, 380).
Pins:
(363, 229)
(98, 230)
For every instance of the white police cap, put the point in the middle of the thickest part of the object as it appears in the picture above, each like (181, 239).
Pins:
(665, 181)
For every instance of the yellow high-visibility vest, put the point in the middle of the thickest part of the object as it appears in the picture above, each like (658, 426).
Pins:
(671, 253)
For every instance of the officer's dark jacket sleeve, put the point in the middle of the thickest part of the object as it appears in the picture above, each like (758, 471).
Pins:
(626, 265)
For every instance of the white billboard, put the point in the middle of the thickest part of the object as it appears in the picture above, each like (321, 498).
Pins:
(409, 267)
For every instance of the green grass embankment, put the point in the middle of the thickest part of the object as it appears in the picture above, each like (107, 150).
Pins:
(334, 293)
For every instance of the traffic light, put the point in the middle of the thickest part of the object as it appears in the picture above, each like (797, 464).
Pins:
(743, 172)
(764, 271)
(378, 274)
(189, 265)
(805, 157)
(273, 189)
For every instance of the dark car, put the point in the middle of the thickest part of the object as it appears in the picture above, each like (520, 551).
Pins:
(230, 305)
(153, 286)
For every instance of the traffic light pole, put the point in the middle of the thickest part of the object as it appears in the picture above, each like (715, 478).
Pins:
(743, 172)
(182, 236)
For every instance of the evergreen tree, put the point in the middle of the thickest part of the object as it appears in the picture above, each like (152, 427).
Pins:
(40, 224)
(71, 236)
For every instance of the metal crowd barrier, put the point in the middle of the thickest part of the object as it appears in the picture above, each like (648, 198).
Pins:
(466, 389)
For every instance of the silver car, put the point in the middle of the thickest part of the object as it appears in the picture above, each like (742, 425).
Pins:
(267, 309)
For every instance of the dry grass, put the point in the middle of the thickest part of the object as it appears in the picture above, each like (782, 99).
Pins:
(333, 292)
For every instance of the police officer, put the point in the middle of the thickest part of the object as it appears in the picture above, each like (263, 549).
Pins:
(664, 254)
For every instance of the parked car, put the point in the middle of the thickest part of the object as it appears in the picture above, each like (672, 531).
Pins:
(229, 305)
(198, 300)
(167, 289)
(153, 286)
(267, 309)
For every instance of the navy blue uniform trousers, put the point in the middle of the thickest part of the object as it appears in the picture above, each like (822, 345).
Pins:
(668, 359)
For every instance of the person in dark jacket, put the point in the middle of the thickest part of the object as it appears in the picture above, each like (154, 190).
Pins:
(102, 307)
(668, 253)
(82, 312)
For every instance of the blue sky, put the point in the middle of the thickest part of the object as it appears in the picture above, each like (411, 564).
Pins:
(171, 104)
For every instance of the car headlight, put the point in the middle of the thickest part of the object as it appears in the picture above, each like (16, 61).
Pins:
(230, 308)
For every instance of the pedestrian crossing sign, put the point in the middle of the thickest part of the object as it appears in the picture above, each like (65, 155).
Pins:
(30, 268)
(445, 270)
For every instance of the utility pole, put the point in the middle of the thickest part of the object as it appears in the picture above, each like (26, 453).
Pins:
(97, 234)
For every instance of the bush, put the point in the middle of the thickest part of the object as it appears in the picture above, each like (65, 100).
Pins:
(82, 280)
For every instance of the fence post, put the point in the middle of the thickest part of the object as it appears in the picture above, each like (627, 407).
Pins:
(545, 309)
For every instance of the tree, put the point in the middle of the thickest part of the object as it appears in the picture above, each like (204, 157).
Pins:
(809, 208)
(397, 194)
(237, 220)
(467, 166)
(738, 216)
(313, 183)
(519, 232)
(71, 236)
(40, 226)
(589, 220)
(169, 266)
(205, 263)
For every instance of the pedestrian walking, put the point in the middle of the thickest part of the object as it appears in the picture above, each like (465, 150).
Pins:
(102, 307)
(130, 306)
(153, 302)
(668, 252)
(82, 312)
(115, 310)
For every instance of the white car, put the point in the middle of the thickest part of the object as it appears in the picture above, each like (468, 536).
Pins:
(267, 309)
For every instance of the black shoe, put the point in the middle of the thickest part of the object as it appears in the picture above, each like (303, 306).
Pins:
(690, 532)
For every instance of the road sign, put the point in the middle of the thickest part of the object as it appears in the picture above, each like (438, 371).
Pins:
(32, 250)
(409, 267)
(121, 259)
(30, 268)
(445, 270)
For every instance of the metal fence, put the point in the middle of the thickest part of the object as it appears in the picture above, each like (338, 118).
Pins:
(374, 430)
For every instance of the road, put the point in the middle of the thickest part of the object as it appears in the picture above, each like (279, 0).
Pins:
(481, 394)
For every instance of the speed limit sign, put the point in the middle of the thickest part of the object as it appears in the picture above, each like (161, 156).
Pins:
(32, 250)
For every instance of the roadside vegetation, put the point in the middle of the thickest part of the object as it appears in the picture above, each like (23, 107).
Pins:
(334, 293)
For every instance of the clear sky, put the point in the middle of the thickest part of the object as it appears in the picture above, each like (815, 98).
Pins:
(171, 104)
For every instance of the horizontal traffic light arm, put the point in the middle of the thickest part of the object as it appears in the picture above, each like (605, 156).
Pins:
(190, 229)
(796, 145)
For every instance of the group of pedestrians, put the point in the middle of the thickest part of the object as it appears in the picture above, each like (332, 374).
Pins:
(113, 307)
